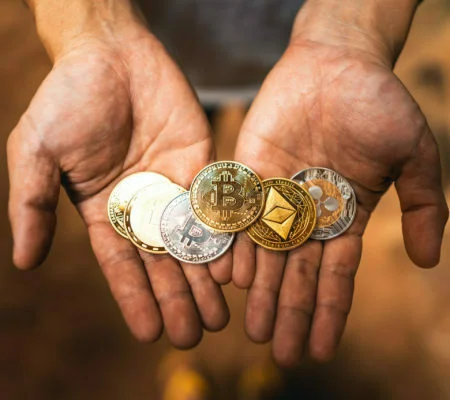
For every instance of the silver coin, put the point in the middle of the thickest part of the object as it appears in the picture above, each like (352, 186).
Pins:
(335, 201)
(186, 238)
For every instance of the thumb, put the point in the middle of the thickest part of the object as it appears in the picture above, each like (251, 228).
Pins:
(34, 189)
(424, 209)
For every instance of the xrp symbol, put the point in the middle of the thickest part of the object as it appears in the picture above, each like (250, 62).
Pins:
(330, 203)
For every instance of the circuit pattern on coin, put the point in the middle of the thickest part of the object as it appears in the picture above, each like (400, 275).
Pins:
(122, 194)
(143, 215)
(289, 216)
(186, 238)
(227, 196)
(335, 201)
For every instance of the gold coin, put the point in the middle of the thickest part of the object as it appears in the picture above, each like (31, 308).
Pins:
(143, 215)
(122, 194)
(227, 196)
(289, 216)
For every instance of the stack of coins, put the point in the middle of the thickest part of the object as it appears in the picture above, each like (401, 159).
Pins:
(155, 215)
(199, 225)
(277, 213)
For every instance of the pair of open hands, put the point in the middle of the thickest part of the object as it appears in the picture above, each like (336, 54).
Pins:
(106, 111)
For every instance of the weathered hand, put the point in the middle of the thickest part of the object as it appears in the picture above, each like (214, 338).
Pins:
(106, 110)
(342, 109)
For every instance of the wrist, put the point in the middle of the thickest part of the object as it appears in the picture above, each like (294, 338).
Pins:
(64, 25)
(379, 27)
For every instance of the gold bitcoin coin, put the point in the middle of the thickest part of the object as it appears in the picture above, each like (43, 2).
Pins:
(289, 216)
(122, 194)
(143, 215)
(227, 196)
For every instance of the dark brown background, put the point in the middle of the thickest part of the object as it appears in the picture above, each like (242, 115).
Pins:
(62, 337)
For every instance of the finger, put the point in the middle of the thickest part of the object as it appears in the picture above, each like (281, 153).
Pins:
(221, 268)
(34, 190)
(296, 304)
(244, 261)
(425, 211)
(208, 296)
(263, 295)
(128, 281)
(175, 300)
(338, 268)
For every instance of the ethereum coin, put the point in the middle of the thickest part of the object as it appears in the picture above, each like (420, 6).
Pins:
(227, 196)
(122, 194)
(143, 215)
(335, 201)
(186, 238)
(289, 216)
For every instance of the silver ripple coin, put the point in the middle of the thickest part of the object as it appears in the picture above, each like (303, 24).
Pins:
(335, 201)
(186, 238)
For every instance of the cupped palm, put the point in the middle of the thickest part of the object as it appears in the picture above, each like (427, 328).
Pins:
(107, 110)
(342, 109)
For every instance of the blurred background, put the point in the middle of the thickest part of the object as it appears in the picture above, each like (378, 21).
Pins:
(61, 334)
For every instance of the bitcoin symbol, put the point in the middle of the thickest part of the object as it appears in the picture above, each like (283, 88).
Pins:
(192, 232)
(226, 196)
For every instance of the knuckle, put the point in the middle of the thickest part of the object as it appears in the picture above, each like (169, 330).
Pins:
(265, 289)
(152, 259)
(113, 258)
(305, 267)
(305, 309)
(127, 293)
(339, 270)
(334, 306)
(173, 295)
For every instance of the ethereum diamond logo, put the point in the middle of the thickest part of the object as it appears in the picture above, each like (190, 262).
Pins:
(279, 215)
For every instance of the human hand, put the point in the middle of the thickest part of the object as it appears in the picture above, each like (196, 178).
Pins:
(338, 106)
(113, 105)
